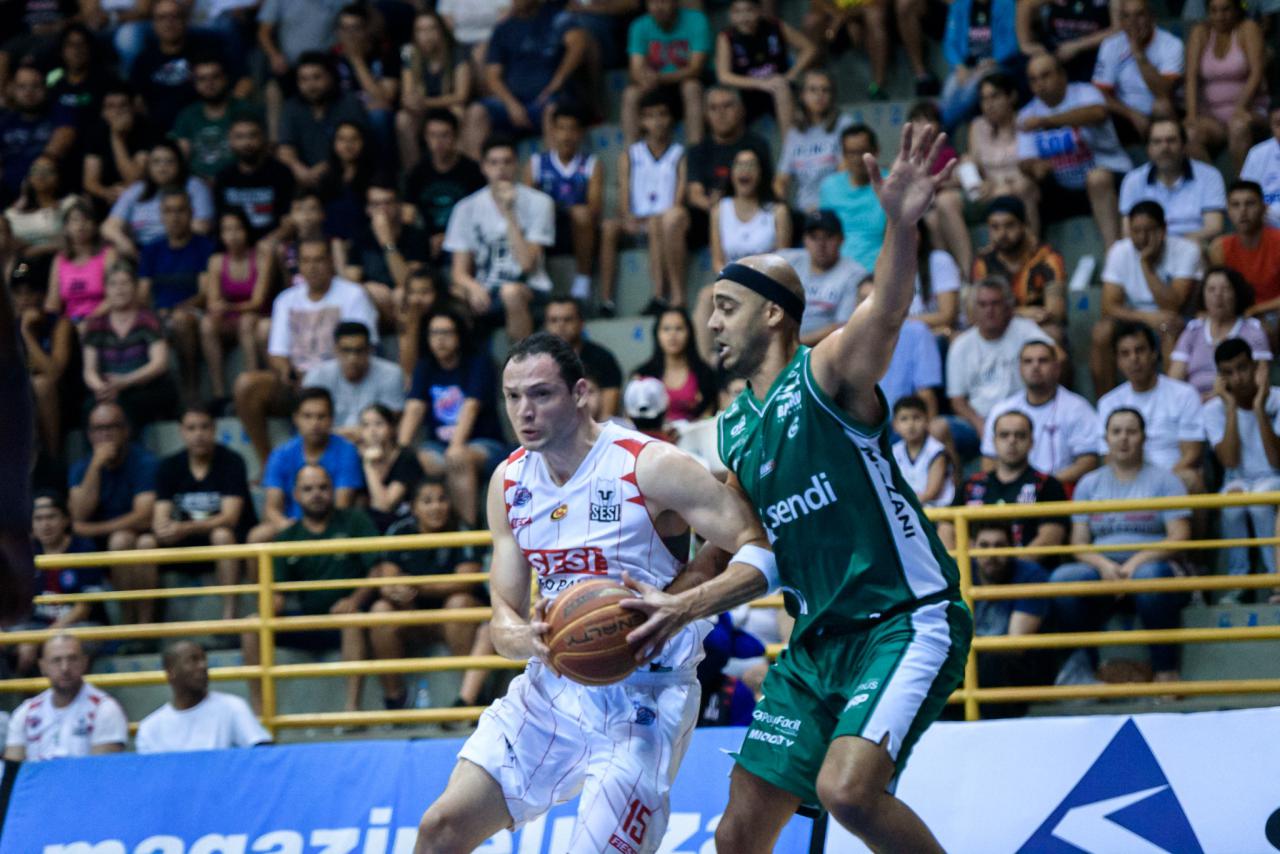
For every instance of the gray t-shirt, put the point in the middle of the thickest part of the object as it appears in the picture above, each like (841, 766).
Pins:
(383, 384)
(477, 226)
(1135, 526)
(830, 296)
(810, 155)
(301, 25)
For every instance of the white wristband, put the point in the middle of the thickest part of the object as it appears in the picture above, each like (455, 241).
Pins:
(761, 559)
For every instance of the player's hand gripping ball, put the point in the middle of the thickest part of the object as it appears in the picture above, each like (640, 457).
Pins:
(588, 634)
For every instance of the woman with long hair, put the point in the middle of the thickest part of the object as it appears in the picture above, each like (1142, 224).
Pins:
(1226, 87)
(390, 472)
(236, 288)
(36, 217)
(747, 221)
(811, 149)
(692, 391)
(993, 147)
(1224, 298)
(433, 75)
(78, 274)
(938, 280)
(135, 217)
(351, 168)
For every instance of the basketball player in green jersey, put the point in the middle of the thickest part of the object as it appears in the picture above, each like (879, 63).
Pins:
(881, 633)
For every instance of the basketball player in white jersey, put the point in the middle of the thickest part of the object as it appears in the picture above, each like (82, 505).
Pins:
(580, 500)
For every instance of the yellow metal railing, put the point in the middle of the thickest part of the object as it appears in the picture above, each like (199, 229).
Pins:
(267, 672)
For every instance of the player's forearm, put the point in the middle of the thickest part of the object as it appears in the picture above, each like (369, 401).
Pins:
(510, 634)
(738, 584)
(708, 563)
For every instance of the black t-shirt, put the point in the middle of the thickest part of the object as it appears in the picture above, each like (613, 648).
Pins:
(140, 138)
(263, 194)
(600, 365)
(194, 500)
(384, 64)
(164, 81)
(427, 561)
(710, 161)
(445, 390)
(1031, 487)
(407, 470)
(434, 193)
(369, 256)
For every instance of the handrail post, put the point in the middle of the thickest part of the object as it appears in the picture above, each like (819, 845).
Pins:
(266, 639)
(965, 564)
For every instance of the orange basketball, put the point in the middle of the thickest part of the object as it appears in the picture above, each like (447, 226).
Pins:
(588, 634)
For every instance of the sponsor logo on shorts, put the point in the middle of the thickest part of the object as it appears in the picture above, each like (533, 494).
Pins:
(821, 494)
(521, 496)
(645, 716)
(857, 700)
(780, 722)
(559, 513)
(584, 560)
(869, 685)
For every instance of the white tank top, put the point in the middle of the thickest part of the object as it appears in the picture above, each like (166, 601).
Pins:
(916, 472)
(653, 181)
(739, 239)
(595, 525)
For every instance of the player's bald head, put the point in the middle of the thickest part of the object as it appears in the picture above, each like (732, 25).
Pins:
(776, 268)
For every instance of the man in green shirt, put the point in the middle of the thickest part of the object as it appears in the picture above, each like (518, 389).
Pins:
(202, 127)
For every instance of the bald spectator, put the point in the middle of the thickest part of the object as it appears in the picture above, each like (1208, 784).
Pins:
(1139, 69)
(564, 320)
(1253, 250)
(70, 717)
(197, 718)
(1189, 191)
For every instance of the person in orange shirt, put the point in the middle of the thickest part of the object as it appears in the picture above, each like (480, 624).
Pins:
(1034, 269)
(1253, 250)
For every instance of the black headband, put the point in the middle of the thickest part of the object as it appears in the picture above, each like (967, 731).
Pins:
(767, 287)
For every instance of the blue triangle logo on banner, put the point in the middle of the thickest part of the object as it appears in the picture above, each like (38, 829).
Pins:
(1122, 803)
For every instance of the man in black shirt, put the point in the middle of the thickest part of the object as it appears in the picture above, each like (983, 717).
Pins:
(440, 179)
(116, 147)
(256, 182)
(384, 249)
(202, 497)
(564, 320)
(711, 159)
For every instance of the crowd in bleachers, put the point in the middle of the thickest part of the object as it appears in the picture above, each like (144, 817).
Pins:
(340, 213)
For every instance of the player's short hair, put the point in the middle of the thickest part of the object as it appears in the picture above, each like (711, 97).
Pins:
(911, 401)
(1230, 349)
(544, 343)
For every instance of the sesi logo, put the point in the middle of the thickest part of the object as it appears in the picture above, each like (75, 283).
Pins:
(587, 560)
(819, 495)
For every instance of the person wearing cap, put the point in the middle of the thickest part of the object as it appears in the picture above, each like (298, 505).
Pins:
(645, 402)
(1035, 270)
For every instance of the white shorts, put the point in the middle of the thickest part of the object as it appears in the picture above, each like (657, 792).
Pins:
(619, 745)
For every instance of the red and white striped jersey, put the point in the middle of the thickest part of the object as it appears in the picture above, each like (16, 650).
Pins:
(45, 731)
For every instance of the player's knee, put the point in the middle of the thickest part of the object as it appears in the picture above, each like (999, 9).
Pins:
(850, 799)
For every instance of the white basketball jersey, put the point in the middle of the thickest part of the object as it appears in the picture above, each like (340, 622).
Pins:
(916, 471)
(595, 525)
(653, 180)
(739, 239)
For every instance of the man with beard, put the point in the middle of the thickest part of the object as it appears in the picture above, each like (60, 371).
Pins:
(201, 127)
(254, 181)
(1035, 270)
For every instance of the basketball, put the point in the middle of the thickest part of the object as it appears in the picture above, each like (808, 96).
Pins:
(588, 634)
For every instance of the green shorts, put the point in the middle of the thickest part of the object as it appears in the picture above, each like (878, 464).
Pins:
(885, 684)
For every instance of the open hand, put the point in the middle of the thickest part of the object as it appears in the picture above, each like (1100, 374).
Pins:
(667, 615)
(908, 190)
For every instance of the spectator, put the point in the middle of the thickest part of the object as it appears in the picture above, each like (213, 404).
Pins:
(498, 238)
(980, 40)
(126, 357)
(35, 218)
(202, 497)
(345, 184)
(936, 302)
(1240, 424)
(234, 290)
(1034, 269)
(384, 250)
(747, 221)
(452, 396)
(830, 280)
(391, 473)
(31, 32)
(667, 52)
(356, 378)
(1189, 191)
(652, 180)
(433, 76)
(922, 459)
(690, 383)
(441, 179)
(369, 70)
(851, 197)
(70, 717)
(253, 180)
(564, 320)
(303, 320)
(1066, 432)
(472, 24)
(1070, 31)
(135, 218)
(810, 147)
(78, 274)
(310, 118)
(202, 127)
(1226, 301)
(752, 55)
(1226, 90)
(31, 126)
(1068, 146)
(834, 25)
(1253, 250)
(945, 217)
(197, 718)
(290, 29)
(432, 514)
(1139, 69)
(320, 517)
(423, 293)
(112, 494)
(1148, 278)
(1263, 166)
(982, 364)
(78, 83)
(574, 179)
(1126, 476)
(52, 360)
(1172, 431)
(306, 222)
(644, 402)
(115, 148)
(993, 147)
(915, 368)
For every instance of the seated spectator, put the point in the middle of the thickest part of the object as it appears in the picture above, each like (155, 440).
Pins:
(1071, 32)
(234, 289)
(915, 368)
(833, 26)
(747, 220)
(202, 497)
(667, 52)
(356, 378)
(574, 179)
(306, 221)
(432, 514)
(851, 197)
(303, 320)
(126, 357)
(253, 181)
(472, 24)
(423, 293)
(196, 718)
(315, 446)
(202, 128)
(440, 179)
(112, 494)
(369, 68)
(1189, 191)
(644, 402)
(993, 147)
(652, 180)
(936, 302)
(922, 459)
(115, 147)
(564, 320)
(753, 55)
(31, 127)
(980, 40)
(453, 396)
(288, 30)
(498, 238)
(1240, 425)
(391, 473)
(1263, 166)
(689, 381)
(1139, 69)
(345, 184)
(52, 360)
(1253, 250)
(1065, 428)
(1068, 146)
(1128, 475)
(1148, 278)
(945, 218)
(811, 144)
(385, 249)
(433, 76)
(70, 717)
(1226, 300)
(982, 364)
(1226, 91)
(310, 118)
(1172, 430)
(1034, 269)
(135, 218)
(78, 274)
(321, 516)
(35, 218)
(77, 83)
(830, 280)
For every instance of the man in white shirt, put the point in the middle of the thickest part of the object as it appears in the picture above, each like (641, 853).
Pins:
(356, 378)
(71, 717)
(1263, 166)
(197, 718)
(830, 280)
(1065, 427)
(1170, 408)
(499, 237)
(1191, 192)
(1139, 69)
(1148, 278)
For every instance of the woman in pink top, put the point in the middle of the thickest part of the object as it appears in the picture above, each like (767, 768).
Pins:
(1225, 88)
(993, 147)
(235, 286)
(78, 275)
(690, 383)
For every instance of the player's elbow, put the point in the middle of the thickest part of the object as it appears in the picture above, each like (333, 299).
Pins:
(440, 832)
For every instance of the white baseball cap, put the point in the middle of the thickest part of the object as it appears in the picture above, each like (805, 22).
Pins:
(645, 397)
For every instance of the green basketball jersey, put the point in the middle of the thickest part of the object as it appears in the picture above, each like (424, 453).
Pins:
(851, 539)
